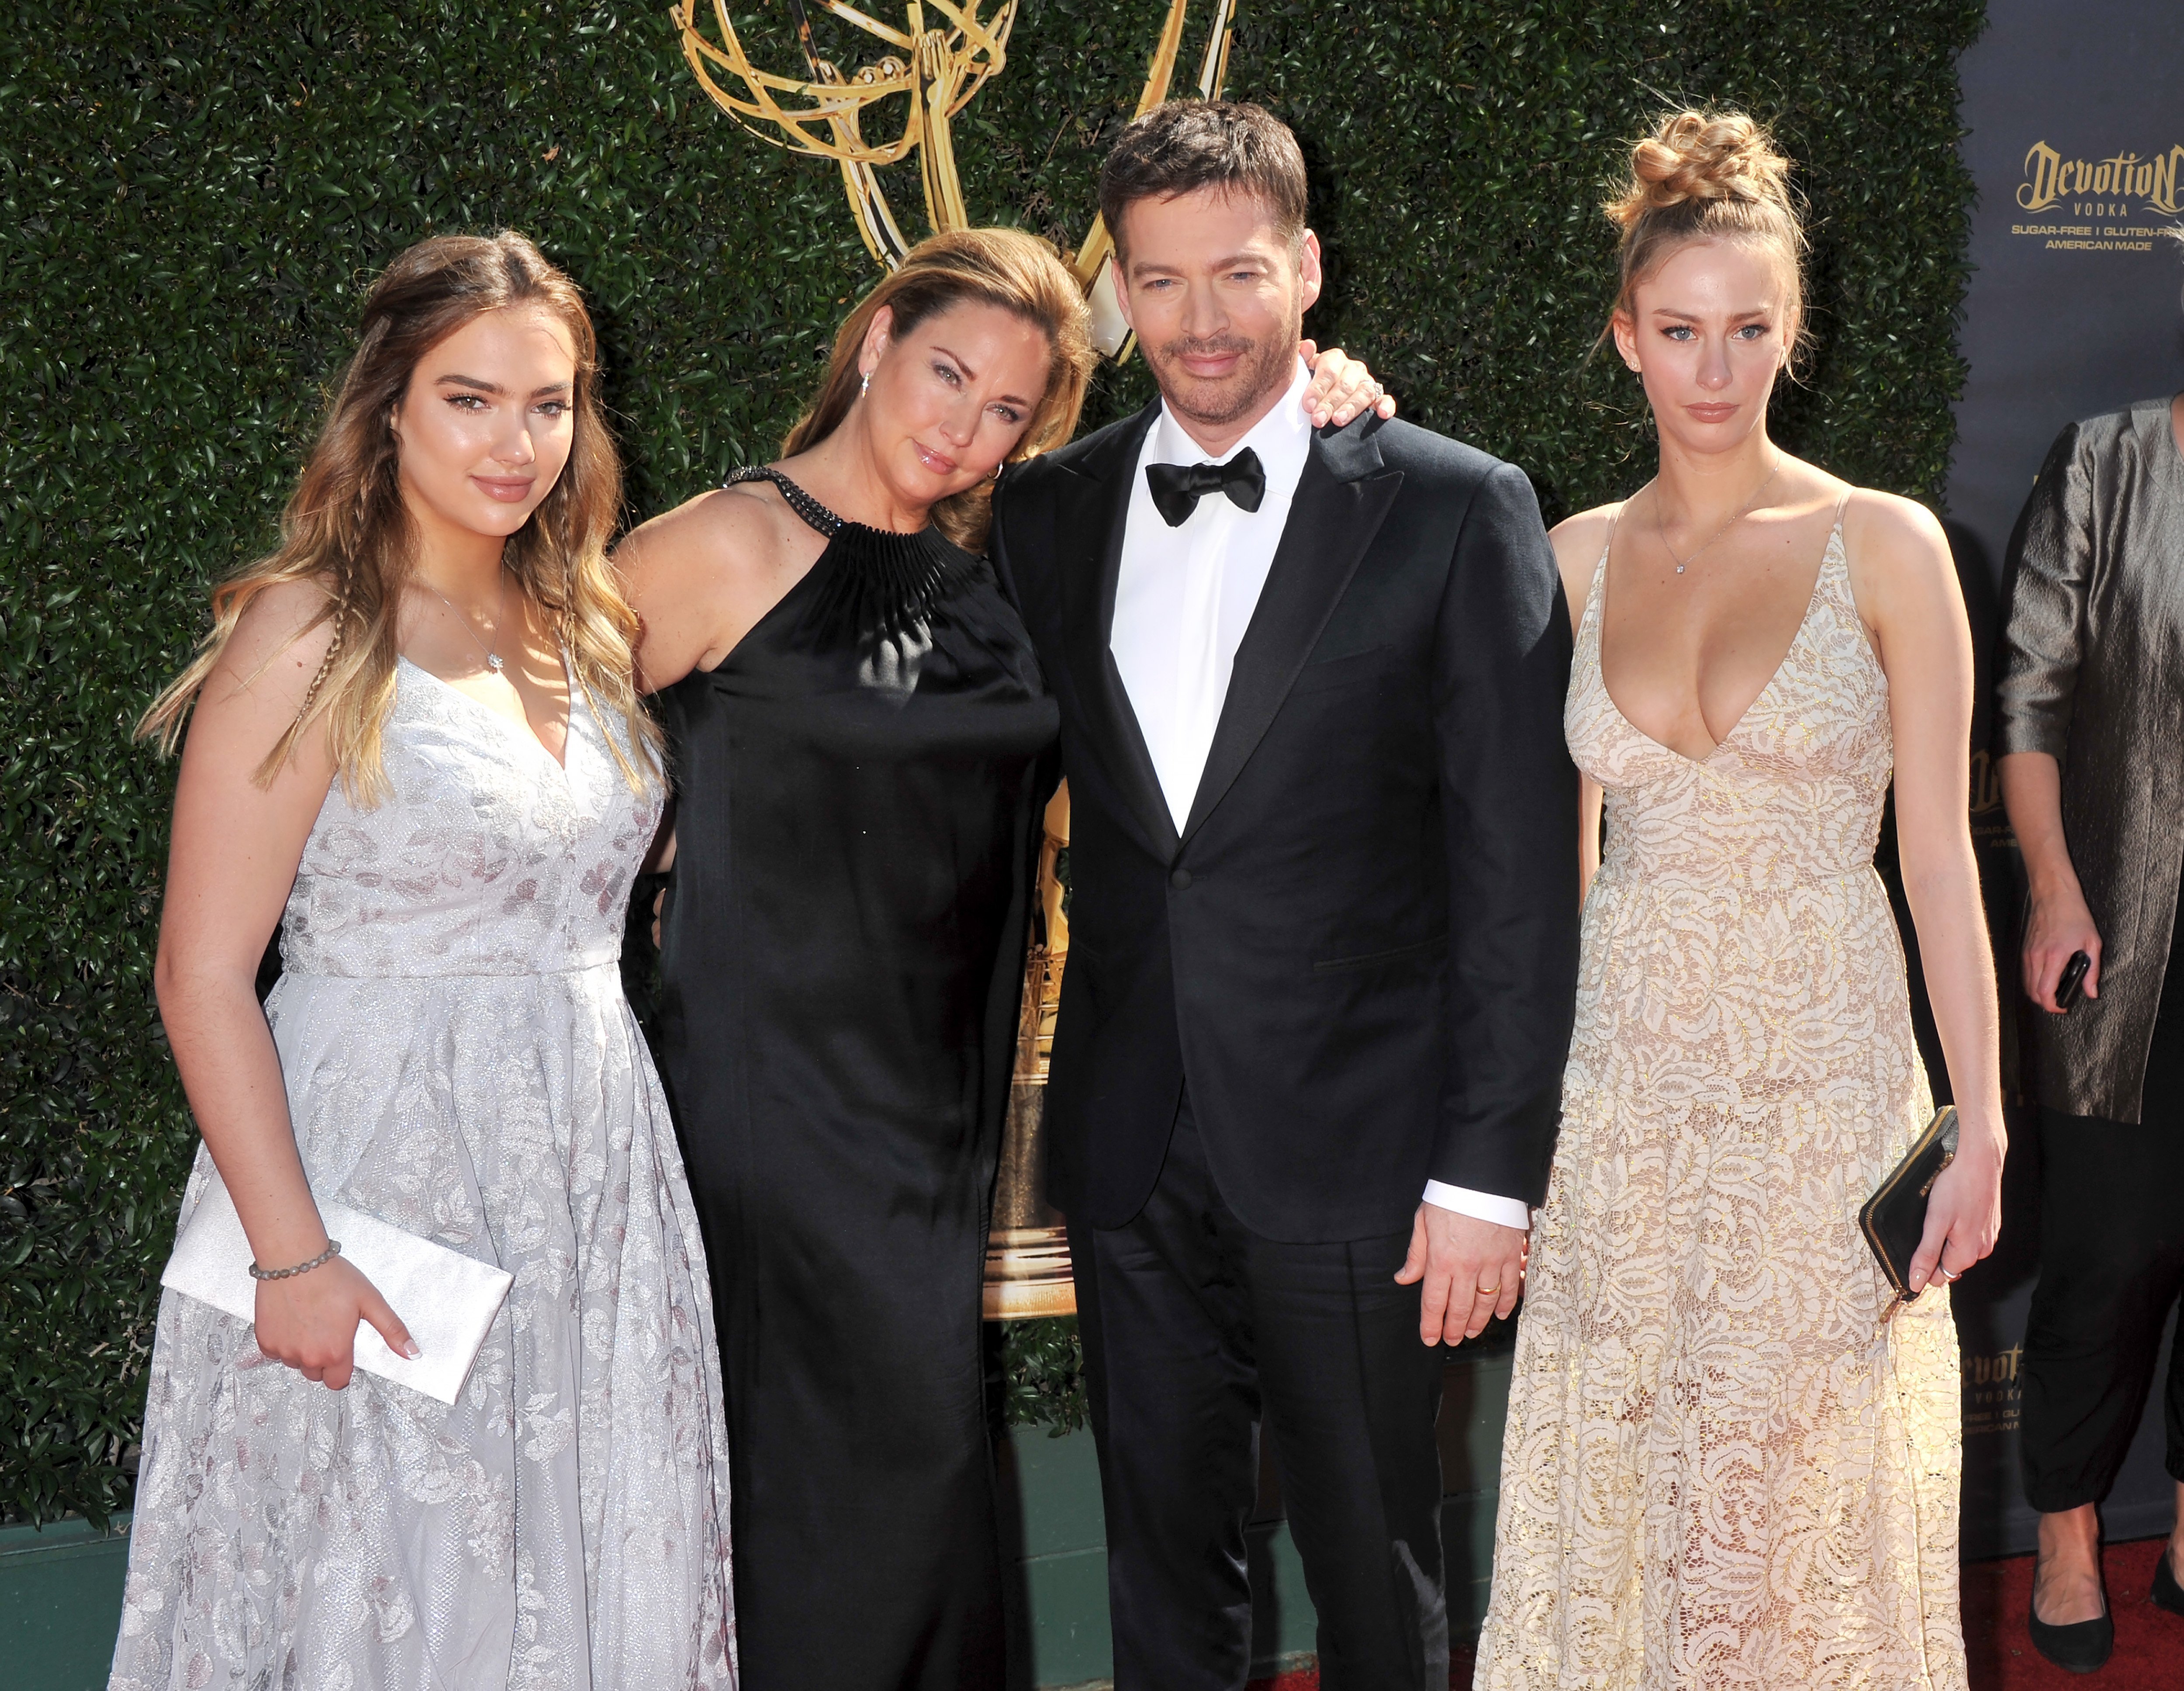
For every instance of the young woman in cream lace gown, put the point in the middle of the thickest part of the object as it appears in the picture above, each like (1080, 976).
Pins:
(1722, 1467)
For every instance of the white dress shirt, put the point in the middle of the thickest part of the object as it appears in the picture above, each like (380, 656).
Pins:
(1182, 599)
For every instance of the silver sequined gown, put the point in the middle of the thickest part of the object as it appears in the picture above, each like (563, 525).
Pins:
(460, 1062)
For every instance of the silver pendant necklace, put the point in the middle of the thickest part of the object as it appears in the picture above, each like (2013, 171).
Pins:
(1681, 563)
(494, 660)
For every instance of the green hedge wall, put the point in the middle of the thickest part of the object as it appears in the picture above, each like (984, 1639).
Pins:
(196, 192)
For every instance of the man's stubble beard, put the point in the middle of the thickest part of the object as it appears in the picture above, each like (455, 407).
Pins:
(1266, 368)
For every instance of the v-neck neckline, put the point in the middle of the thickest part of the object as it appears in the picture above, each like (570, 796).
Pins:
(524, 730)
(1599, 615)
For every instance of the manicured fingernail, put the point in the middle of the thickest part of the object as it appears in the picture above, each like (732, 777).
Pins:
(409, 1349)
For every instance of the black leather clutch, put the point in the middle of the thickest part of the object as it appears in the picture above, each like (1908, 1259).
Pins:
(1894, 1218)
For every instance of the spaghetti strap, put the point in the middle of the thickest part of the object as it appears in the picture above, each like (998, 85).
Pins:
(1836, 555)
(1594, 608)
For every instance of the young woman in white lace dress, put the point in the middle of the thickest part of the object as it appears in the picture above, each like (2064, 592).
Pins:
(1724, 1466)
(412, 742)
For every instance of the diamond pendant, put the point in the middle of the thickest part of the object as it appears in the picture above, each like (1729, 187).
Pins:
(1680, 570)
(493, 663)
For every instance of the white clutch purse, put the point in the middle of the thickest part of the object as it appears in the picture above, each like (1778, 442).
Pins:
(446, 1299)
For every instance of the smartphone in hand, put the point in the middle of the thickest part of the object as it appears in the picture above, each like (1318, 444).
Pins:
(2073, 981)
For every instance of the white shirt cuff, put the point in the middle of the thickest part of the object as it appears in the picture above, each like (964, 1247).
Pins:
(1481, 1205)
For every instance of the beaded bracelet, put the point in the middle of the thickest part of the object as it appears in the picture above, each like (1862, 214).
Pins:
(331, 1251)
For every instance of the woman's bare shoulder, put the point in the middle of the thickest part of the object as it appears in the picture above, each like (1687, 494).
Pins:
(262, 678)
(1579, 542)
(700, 576)
(1891, 521)
(720, 530)
(1893, 543)
(283, 633)
(1588, 530)
(1902, 572)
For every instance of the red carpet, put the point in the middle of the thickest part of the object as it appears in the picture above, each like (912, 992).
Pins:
(1459, 1673)
(2149, 1646)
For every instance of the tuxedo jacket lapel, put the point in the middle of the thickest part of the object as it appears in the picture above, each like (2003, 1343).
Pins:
(1089, 523)
(1341, 499)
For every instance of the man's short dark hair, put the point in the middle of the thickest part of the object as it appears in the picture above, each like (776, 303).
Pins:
(1182, 146)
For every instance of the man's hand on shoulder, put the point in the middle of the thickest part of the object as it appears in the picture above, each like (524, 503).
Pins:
(1474, 1271)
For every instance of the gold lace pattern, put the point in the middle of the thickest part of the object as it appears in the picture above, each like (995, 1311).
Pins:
(1721, 1470)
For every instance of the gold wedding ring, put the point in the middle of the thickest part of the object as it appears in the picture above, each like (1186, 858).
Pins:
(1485, 1290)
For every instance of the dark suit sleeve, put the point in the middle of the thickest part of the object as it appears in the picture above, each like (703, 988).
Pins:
(1006, 501)
(1508, 797)
(1009, 501)
(1016, 514)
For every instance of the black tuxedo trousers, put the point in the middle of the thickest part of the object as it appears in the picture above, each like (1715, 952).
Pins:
(1194, 1329)
(1352, 969)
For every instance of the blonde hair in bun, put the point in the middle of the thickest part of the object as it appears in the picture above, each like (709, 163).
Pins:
(1708, 175)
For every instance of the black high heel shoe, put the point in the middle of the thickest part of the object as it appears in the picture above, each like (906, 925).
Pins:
(2081, 1646)
(2167, 1594)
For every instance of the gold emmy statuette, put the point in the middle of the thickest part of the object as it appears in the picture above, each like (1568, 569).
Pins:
(1028, 1253)
(944, 54)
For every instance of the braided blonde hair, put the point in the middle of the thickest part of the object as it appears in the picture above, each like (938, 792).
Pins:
(1708, 175)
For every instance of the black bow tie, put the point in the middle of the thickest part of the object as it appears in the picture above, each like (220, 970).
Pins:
(1178, 487)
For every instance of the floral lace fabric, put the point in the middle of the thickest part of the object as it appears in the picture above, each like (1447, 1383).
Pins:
(459, 1062)
(1721, 1468)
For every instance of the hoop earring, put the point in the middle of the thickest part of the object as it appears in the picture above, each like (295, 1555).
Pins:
(864, 388)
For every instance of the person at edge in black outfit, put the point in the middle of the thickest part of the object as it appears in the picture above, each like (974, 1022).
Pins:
(861, 743)
(2091, 765)
(1323, 925)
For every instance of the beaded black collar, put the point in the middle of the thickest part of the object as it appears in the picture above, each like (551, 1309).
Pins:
(888, 582)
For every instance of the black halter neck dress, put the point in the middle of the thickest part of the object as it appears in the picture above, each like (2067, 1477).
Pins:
(842, 952)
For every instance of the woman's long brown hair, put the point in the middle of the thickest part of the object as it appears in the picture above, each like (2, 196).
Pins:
(347, 530)
(1003, 267)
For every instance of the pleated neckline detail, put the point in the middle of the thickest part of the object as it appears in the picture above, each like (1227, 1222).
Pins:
(871, 581)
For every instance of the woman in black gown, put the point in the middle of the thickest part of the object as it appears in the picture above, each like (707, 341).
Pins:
(859, 742)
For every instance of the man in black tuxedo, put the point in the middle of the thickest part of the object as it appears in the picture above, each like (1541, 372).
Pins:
(1324, 924)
